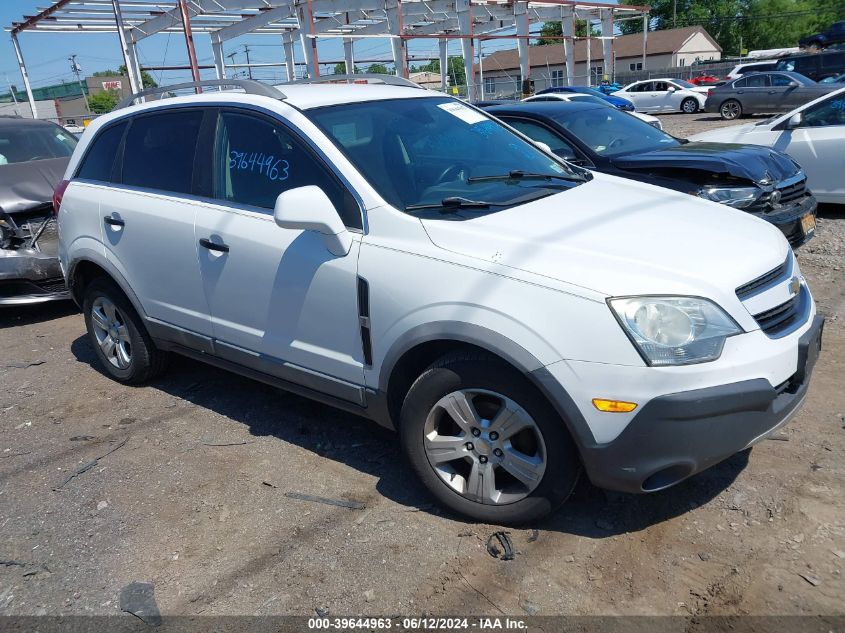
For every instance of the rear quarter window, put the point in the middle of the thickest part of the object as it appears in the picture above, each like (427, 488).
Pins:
(98, 162)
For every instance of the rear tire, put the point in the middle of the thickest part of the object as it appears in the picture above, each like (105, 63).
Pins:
(730, 110)
(469, 467)
(121, 342)
(689, 106)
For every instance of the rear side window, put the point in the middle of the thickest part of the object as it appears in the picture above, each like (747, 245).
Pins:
(256, 159)
(160, 149)
(99, 160)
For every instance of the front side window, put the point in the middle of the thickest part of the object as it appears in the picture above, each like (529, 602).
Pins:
(780, 80)
(256, 159)
(610, 132)
(661, 86)
(826, 113)
(159, 150)
(29, 142)
(539, 132)
(421, 151)
(99, 159)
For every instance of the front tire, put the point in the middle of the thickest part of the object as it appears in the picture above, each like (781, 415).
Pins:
(485, 443)
(121, 342)
(689, 106)
(730, 110)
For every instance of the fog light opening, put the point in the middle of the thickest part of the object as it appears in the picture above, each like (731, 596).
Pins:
(666, 477)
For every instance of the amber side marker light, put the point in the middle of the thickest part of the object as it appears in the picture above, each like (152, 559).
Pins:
(614, 406)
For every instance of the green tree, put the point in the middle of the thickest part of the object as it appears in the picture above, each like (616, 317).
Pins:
(340, 68)
(756, 23)
(552, 32)
(146, 78)
(454, 68)
(103, 102)
(380, 69)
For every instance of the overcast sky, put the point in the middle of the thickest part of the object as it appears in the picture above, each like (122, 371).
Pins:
(46, 53)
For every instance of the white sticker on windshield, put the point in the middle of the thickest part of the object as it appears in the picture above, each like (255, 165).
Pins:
(462, 112)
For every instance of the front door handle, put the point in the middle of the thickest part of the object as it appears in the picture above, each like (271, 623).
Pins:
(111, 221)
(213, 246)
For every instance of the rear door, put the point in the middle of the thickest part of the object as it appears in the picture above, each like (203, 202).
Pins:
(147, 217)
(817, 145)
(752, 91)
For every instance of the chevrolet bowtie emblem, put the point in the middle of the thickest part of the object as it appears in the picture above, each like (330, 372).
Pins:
(794, 285)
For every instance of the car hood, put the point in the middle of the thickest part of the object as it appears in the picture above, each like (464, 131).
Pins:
(761, 165)
(24, 186)
(619, 237)
(617, 101)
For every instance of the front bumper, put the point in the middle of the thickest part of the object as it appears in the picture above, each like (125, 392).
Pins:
(677, 435)
(28, 276)
(788, 219)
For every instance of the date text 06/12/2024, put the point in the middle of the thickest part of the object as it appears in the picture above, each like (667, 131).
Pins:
(417, 624)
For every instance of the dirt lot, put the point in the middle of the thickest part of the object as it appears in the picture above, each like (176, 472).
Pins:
(189, 489)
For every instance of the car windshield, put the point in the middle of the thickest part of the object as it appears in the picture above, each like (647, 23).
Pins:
(437, 154)
(23, 143)
(682, 83)
(609, 132)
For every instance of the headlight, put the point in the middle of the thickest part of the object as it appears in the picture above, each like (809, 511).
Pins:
(674, 330)
(737, 197)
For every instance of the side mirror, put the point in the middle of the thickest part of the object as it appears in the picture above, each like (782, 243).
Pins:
(309, 209)
(795, 121)
(793, 84)
(543, 146)
(672, 89)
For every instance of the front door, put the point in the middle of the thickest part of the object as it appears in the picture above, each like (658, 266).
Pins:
(280, 301)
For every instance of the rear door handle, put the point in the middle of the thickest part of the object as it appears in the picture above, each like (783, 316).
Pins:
(213, 246)
(113, 221)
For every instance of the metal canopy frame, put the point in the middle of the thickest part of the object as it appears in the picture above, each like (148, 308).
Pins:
(307, 21)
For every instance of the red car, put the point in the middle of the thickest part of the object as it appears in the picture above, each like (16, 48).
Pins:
(704, 80)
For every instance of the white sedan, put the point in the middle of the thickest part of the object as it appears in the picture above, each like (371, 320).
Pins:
(664, 95)
(574, 96)
(813, 134)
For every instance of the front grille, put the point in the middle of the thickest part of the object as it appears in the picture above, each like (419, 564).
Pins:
(755, 285)
(793, 191)
(780, 318)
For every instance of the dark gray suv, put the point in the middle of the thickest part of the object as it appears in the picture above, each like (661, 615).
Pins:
(763, 92)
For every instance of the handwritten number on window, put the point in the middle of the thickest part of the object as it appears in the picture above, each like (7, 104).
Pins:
(270, 167)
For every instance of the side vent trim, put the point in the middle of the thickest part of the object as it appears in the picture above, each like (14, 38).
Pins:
(364, 320)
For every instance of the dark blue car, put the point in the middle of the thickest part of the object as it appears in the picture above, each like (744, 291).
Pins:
(616, 102)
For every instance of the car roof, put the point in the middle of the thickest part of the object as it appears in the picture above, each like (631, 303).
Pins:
(546, 108)
(302, 96)
(16, 122)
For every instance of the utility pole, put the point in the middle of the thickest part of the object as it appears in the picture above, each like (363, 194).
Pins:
(14, 97)
(674, 13)
(248, 67)
(76, 68)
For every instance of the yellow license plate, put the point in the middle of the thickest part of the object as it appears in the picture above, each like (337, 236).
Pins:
(808, 223)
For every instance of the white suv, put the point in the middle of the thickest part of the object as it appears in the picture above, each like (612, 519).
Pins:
(404, 256)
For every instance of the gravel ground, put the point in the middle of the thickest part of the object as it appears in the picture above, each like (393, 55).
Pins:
(188, 493)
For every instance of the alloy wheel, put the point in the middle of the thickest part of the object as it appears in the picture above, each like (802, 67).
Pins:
(111, 332)
(690, 106)
(730, 110)
(484, 446)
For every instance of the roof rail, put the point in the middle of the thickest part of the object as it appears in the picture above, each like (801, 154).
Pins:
(390, 80)
(249, 86)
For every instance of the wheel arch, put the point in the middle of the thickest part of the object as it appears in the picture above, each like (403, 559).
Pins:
(89, 266)
(409, 356)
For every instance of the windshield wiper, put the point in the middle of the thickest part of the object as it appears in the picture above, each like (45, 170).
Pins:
(452, 203)
(518, 174)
